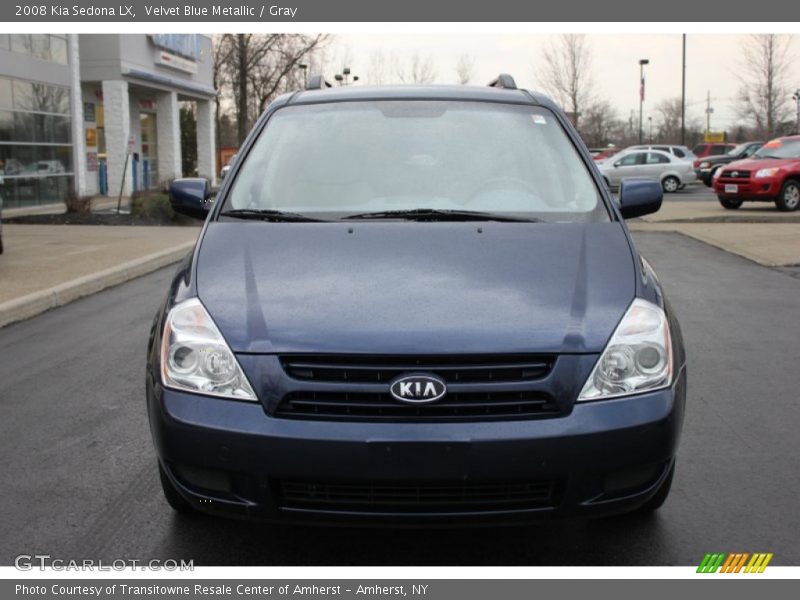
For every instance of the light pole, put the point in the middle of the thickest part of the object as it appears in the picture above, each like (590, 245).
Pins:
(642, 63)
(650, 122)
(304, 68)
(796, 98)
(343, 77)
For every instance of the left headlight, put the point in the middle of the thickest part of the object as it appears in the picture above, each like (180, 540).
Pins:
(767, 172)
(195, 357)
(638, 358)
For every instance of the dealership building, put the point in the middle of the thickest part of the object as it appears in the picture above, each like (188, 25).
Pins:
(95, 114)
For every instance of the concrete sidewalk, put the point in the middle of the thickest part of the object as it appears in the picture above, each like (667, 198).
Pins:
(45, 266)
(756, 231)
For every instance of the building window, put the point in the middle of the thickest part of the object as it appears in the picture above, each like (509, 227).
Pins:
(39, 45)
(35, 143)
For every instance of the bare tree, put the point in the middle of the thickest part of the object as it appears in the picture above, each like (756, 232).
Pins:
(377, 68)
(599, 124)
(668, 120)
(419, 69)
(566, 74)
(253, 68)
(764, 93)
(465, 66)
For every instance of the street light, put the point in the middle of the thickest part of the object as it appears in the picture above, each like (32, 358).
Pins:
(650, 121)
(796, 98)
(642, 63)
(343, 77)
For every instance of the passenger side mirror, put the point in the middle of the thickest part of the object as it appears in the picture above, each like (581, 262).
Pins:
(190, 197)
(638, 197)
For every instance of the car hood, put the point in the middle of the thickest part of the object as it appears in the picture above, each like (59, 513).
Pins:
(411, 287)
(754, 164)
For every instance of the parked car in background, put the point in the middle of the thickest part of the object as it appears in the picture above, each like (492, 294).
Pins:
(680, 152)
(705, 168)
(599, 154)
(772, 174)
(227, 167)
(673, 173)
(355, 337)
(711, 149)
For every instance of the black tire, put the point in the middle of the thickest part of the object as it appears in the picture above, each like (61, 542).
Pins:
(789, 200)
(670, 184)
(174, 499)
(709, 181)
(1, 242)
(660, 496)
(730, 204)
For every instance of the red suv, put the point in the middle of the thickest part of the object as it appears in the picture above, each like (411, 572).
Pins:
(708, 149)
(771, 175)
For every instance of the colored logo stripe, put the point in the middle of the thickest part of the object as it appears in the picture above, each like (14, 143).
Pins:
(734, 562)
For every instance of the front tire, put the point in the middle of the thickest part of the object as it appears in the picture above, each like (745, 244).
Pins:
(174, 499)
(670, 184)
(789, 200)
(730, 204)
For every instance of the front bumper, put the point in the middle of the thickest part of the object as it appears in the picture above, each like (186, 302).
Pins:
(231, 458)
(765, 189)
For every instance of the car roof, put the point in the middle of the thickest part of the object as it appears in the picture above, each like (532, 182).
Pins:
(419, 92)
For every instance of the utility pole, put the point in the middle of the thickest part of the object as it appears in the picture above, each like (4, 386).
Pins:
(709, 110)
(796, 98)
(683, 95)
(642, 63)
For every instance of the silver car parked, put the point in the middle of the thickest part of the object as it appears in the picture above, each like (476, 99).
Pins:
(672, 172)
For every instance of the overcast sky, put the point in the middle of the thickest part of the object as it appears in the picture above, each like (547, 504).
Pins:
(711, 64)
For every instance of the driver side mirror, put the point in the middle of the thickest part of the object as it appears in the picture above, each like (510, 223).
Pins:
(191, 197)
(617, 164)
(639, 197)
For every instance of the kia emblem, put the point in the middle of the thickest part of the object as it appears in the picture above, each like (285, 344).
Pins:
(417, 388)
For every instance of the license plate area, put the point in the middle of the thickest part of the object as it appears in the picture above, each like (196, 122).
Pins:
(731, 188)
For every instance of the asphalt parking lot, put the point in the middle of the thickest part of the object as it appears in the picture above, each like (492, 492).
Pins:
(79, 478)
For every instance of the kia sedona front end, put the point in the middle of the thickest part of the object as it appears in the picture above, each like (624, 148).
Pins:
(415, 305)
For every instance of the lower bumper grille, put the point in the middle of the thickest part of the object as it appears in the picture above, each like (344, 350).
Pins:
(418, 497)
(465, 406)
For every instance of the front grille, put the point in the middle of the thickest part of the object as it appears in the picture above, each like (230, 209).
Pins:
(417, 497)
(728, 174)
(462, 406)
(453, 369)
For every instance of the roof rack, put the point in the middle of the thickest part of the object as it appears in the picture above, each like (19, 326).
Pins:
(505, 81)
(317, 82)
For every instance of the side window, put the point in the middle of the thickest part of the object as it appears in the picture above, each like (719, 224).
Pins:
(679, 153)
(635, 158)
(653, 158)
(719, 149)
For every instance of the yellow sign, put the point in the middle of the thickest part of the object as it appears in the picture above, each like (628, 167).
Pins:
(91, 137)
(714, 136)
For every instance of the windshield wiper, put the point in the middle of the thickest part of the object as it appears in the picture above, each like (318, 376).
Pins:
(769, 156)
(264, 214)
(436, 214)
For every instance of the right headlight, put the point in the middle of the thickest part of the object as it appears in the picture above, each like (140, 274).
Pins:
(195, 357)
(638, 358)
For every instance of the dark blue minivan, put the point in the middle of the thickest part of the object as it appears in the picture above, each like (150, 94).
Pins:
(411, 305)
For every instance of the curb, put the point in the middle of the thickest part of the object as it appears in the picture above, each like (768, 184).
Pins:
(39, 302)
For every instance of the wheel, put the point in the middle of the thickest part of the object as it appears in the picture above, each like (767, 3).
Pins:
(174, 499)
(709, 179)
(670, 184)
(730, 204)
(789, 200)
(660, 496)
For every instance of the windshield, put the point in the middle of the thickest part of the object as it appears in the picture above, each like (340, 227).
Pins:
(342, 159)
(780, 149)
(737, 150)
